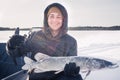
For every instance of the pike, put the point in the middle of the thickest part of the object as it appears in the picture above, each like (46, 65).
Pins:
(46, 63)
(58, 63)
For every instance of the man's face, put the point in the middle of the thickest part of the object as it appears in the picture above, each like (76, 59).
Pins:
(55, 21)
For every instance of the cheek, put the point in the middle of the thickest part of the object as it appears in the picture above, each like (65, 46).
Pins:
(61, 22)
(49, 21)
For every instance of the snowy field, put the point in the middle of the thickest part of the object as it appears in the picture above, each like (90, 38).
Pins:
(98, 44)
(103, 45)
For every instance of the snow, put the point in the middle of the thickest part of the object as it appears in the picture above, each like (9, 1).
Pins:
(103, 45)
(98, 44)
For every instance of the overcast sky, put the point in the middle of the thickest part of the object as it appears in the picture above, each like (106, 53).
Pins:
(29, 13)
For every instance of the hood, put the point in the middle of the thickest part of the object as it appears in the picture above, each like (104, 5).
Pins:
(64, 27)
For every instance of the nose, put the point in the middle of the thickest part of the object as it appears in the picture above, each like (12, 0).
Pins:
(55, 19)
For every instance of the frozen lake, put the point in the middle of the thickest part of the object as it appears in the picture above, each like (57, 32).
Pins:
(84, 38)
(100, 44)
(90, 43)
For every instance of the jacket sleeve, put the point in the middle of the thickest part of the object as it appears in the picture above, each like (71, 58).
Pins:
(26, 47)
(73, 49)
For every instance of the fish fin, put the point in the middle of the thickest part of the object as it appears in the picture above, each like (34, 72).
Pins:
(88, 73)
(35, 70)
(38, 71)
(28, 63)
(40, 56)
(26, 67)
(58, 71)
(27, 60)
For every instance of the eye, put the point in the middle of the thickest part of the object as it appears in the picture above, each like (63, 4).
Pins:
(59, 17)
(51, 16)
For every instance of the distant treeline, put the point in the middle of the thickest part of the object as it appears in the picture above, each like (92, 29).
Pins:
(6, 28)
(95, 28)
(73, 28)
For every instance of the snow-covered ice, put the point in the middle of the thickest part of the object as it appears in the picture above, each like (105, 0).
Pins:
(98, 44)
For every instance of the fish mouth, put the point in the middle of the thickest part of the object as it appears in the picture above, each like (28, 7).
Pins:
(113, 66)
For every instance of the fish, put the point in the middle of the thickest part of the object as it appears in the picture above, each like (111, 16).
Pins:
(47, 63)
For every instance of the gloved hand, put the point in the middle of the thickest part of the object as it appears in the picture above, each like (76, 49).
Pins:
(71, 72)
(12, 46)
(15, 42)
(71, 69)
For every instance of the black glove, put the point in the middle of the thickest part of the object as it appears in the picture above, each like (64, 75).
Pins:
(71, 72)
(71, 69)
(15, 41)
(13, 44)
